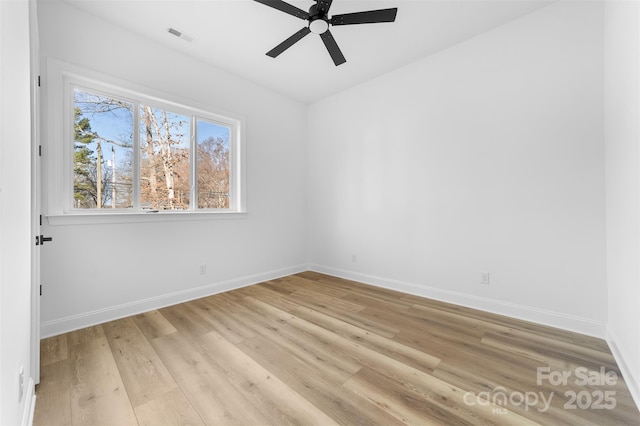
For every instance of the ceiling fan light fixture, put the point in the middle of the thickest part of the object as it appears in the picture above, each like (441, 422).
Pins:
(318, 26)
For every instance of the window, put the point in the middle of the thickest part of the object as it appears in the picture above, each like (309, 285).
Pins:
(103, 172)
(127, 153)
(151, 169)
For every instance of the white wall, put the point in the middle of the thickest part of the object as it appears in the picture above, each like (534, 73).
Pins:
(15, 214)
(487, 156)
(622, 132)
(92, 273)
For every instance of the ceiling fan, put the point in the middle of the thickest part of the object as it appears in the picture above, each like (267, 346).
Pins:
(319, 22)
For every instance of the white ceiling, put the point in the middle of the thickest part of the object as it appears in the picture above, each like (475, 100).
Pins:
(235, 35)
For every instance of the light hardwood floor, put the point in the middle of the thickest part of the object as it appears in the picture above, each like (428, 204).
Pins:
(311, 349)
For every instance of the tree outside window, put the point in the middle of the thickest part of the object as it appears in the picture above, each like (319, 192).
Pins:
(116, 167)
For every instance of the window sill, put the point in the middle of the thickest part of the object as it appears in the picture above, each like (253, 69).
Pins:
(100, 218)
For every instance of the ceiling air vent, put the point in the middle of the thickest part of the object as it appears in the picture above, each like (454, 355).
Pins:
(180, 34)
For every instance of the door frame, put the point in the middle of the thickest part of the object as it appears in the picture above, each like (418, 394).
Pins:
(35, 189)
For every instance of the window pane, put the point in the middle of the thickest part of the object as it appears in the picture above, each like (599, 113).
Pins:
(213, 165)
(164, 159)
(103, 152)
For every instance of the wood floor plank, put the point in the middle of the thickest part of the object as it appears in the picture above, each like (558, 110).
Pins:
(499, 320)
(172, 408)
(483, 369)
(400, 402)
(270, 296)
(54, 349)
(186, 321)
(315, 385)
(471, 355)
(375, 301)
(53, 394)
(279, 403)
(355, 287)
(98, 395)
(310, 275)
(455, 322)
(215, 400)
(365, 294)
(425, 400)
(396, 350)
(314, 349)
(220, 313)
(327, 289)
(379, 327)
(562, 357)
(486, 369)
(479, 383)
(318, 298)
(339, 308)
(284, 285)
(153, 324)
(590, 342)
(144, 375)
(355, 350)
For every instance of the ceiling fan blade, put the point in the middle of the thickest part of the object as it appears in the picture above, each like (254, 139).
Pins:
(285, 7)
(368, 17)
(332, 47)
(288, 42)
(323, 6)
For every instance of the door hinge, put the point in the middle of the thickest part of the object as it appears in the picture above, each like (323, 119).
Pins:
(39, 150)
(38, 81)
(40, 289)
(37, 240)
(40, 220)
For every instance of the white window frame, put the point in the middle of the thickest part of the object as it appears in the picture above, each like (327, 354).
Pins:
(62, 79)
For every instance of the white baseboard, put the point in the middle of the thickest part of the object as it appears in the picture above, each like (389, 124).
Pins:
(29, 404)
(527, 313)
(632, 381)
(540, 316)
(76, 322)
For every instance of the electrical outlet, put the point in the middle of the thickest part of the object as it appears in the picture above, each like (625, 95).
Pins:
(484, 278)
(203, 269)
(20, 384)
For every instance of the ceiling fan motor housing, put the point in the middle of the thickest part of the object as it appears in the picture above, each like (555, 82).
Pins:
(318, 21)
